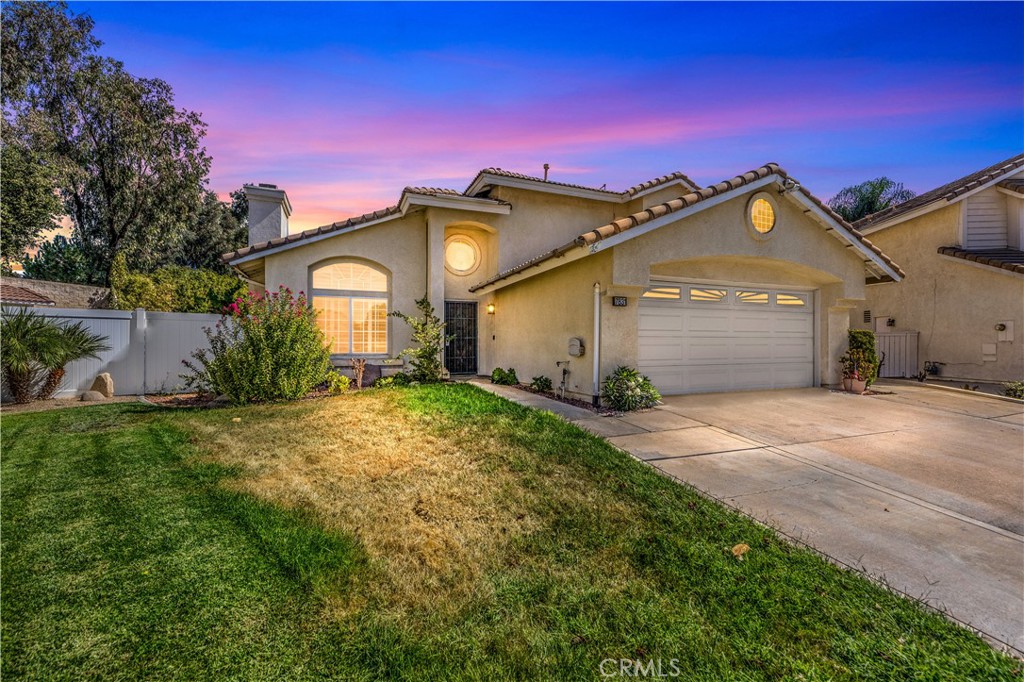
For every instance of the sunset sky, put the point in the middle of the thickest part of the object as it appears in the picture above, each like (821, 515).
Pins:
(343, 105)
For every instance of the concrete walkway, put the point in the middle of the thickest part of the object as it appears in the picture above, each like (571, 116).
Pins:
(922, 488)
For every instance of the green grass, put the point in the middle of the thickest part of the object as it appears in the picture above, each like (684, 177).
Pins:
(130, 552)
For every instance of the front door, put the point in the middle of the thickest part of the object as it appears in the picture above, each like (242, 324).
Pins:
(460, 325)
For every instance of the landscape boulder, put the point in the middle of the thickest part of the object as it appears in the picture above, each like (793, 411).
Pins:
(93, 397)
(103, 383)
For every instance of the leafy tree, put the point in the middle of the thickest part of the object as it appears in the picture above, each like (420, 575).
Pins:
(240, 207)
(130, 165)
(44, 44)
(859, 201)
(30, 203)
(215, 230)
(135, 165)
(428, 334)
(62, 260)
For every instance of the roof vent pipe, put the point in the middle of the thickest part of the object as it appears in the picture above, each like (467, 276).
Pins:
(547, 167)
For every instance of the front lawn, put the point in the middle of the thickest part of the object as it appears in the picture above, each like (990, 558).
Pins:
(426, 533)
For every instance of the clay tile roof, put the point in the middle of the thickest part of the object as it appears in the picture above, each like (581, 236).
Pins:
(637, 219)
(1004, 259)
(314, 232)
(521, 176)
(629, 222)
(1014, 185)
(13, 295)
(948, 192)
(433, 191)
(664, 179)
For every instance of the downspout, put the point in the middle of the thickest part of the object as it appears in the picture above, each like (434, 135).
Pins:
(597, 343)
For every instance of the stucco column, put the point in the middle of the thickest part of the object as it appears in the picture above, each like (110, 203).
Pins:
(835, 328)
(435, 264)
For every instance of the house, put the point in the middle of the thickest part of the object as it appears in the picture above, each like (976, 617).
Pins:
(746, 284)
(962, 303)
(40, 292)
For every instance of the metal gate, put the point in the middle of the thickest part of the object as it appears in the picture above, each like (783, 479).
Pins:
(460, 325)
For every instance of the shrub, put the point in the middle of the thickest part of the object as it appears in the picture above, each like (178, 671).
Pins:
(428, 333)
(626, 389)
(864, 340)
(337, 383)
(1014, 389)
(36, 350)
(504, 377)
(264, 348)
(172, 289)
(400, 379)
(542, 384)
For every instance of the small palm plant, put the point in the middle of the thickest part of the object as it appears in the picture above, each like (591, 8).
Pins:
(35, 351)
(71, 342)
(24, 333)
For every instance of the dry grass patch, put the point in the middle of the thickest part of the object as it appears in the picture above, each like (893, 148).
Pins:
(432, 511)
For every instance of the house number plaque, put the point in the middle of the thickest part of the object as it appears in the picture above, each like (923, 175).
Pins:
(619, 301)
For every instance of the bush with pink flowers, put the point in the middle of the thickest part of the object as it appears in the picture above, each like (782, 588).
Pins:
(265, 348)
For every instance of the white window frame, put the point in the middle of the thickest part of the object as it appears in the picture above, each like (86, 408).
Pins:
(352, 295)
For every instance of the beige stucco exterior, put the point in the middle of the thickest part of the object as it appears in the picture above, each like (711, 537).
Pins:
(952, 303)
(538, 312)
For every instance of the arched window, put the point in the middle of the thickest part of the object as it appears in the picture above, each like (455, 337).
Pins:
(351, 302)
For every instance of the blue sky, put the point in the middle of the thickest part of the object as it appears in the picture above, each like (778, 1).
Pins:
(343, 104)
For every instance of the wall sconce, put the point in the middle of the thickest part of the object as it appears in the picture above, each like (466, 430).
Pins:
(490, 308)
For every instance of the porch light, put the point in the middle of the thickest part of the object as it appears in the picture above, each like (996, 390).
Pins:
(490, 308)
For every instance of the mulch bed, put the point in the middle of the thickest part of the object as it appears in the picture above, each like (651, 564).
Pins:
(575, 402)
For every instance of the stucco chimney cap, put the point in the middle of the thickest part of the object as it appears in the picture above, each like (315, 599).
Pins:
(269, 192)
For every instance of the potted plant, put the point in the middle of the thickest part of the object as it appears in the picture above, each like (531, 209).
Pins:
(857, 370)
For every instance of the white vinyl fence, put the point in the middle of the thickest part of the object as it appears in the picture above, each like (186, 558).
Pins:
(146, 348)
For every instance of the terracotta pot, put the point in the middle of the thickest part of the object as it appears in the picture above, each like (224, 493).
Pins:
(847, 384)
(858, 386)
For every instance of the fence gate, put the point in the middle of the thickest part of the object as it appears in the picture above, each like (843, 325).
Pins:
(900, 354)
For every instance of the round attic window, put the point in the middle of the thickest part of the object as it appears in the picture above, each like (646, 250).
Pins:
(461, 255)
(761, 215)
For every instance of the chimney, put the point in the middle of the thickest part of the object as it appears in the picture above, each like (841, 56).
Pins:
(269, 209)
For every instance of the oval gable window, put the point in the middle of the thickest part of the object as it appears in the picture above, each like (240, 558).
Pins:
(762, 215)
(461, 255)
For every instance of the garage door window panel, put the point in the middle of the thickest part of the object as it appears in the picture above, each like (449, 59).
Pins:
(754, 297)
(791, 300)
(708, 295)
(663, 293)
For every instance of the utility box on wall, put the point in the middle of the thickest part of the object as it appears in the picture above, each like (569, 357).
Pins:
(576, 347)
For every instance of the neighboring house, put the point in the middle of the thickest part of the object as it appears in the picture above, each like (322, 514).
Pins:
(20, 296)
(963, 297)
(58, 294)
(746, 284)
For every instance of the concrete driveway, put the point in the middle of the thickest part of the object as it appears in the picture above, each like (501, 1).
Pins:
(921, 487)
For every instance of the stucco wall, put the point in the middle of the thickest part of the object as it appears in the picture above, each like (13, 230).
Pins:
(534, 320)
(953, 304)
(540, 222)
(399, 246)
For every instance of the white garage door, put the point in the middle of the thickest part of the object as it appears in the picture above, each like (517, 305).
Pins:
(697, 338)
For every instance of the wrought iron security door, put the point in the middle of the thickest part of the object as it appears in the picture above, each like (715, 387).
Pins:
(460, 324)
